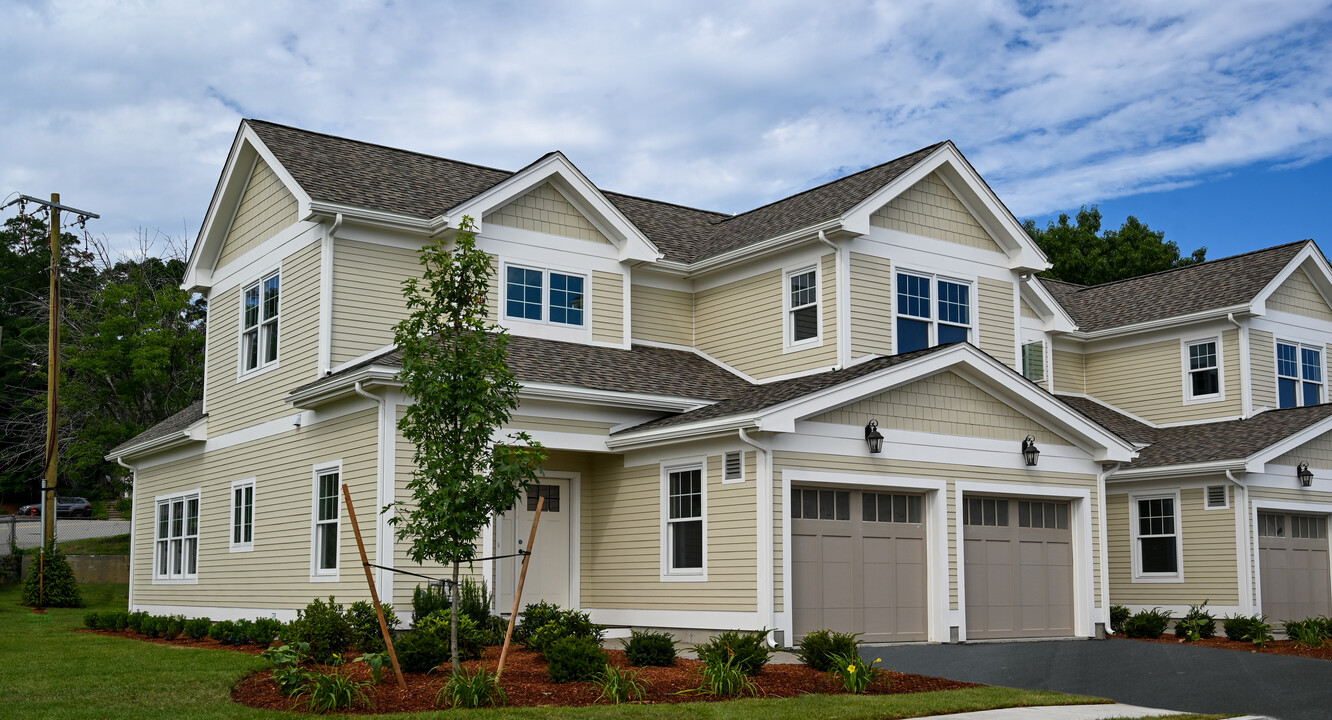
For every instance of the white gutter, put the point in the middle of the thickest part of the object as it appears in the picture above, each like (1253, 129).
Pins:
(323, 209)
(1168, 471)
(678, 432)
(1246, 382)
(752, 250)
(1210, 314)
(1241, 507)
(764, 503)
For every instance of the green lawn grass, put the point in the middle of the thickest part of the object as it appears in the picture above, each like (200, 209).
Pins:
(114, 545)
(56, 673)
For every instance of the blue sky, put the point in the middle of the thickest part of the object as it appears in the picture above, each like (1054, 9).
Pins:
(1209, 119)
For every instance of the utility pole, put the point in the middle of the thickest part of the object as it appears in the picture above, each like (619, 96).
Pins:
(52, 365)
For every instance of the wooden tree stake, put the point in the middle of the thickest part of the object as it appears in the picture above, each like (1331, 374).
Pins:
(374, 594)
(518, 596)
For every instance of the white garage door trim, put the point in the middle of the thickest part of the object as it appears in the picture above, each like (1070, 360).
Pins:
(936, 540)
(1079, 514)
(1257, 505)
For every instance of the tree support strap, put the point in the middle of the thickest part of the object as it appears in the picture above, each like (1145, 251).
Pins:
(435, 579)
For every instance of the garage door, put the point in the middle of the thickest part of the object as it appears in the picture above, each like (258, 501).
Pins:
(1019, 568)
(858, 563)
(1293, 564)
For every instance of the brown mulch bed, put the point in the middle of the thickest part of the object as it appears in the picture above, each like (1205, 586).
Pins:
(1275, 647)
(526, 682)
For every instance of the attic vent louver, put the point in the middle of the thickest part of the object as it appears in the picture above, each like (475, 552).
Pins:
(734, 470)
(1216, 496)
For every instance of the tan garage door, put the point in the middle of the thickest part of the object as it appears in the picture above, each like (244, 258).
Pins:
(1019, 568)
(1293, 563)
(858, 563)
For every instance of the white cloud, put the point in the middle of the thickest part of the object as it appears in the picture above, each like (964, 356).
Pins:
(129, 110)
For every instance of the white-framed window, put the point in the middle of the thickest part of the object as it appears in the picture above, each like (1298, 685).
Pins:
(931, 310)
(1299, 374)
(733, 468)
(176, 537)
(801, 299)
(1202, 370)
(684, 524)
(326, 521)
(1217, 497)
(545, 296)
(242, 515)
(260, 306)
(1157, 549)
(1033, 361)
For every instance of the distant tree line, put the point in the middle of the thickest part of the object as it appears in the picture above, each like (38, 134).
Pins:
(131, 354)
(1082, 254)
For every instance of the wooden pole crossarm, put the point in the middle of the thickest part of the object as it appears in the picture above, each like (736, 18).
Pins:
(374, 594)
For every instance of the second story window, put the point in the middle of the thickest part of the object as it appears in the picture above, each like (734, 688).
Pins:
(544, 296)
(1033, 361)
(931, 311)
(1203, 370)
(802, 313)
(1299, 375)
(259, 323)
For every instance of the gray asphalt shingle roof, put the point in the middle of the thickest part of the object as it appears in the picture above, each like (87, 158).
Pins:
(176, 423)
(1233, 280)
(376, 177)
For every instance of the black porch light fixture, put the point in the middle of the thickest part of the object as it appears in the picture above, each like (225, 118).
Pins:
(1305, 475)
(873, 437)
(1029, 452)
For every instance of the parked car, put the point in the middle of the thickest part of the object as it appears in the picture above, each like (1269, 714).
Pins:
(68, 506)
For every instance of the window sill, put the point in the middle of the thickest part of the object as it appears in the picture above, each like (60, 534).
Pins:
(242, 548)
(803, 345)
(244, 375)
(324, 578)
(176, 581)
(1204, 399)
(681, 577)
(1159, 579)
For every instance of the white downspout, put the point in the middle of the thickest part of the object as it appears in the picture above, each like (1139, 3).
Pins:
(1105, 554)
(843, 304)
(1246, 382)
(382, 577)
(1241, 506)
(134, 505)
(763, 506)
(326, 249)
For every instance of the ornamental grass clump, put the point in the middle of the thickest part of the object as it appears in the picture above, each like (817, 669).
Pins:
(724, 678)
(472, 691)
(619, 686)
(333, 690)
(854, 673)
(1306, 633)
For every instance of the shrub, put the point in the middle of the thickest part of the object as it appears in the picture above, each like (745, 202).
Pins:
(106, 620)
(647, 648)
(323, 625)
(535, 616)
(748, 649)
(855, 674)
(120, 620)
(152, 626)
(1306, 633)
(472, 691)
(92, 620)
(564, 624)
(123, 506)
(471, 639)
(327, 691)
(474, 600)
(494, 630)
(1118, 614)
(227, 632)
(364, 623)
(818, 648)
(421, 651)
(619, 686)
(287, 672)
(172, 626)
(262, 631)
(1196, 624)
(1147, 624)
(725, 679)
(573, 659)
(197, 629)
(242, 631)
(54, 586)
(1246, 628)
(136, 620)
(427, 601)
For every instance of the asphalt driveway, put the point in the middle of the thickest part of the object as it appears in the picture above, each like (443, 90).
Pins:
(1175, 676)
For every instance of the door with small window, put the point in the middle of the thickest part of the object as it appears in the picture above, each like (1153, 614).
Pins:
(548, 570)
(858, 562)
(1018, 567)
(1293, 566)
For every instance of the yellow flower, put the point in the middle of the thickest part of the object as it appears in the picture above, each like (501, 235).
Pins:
(851, 668)
(878, 659)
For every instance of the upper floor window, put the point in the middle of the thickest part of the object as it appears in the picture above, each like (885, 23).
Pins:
(544, 296)
(1203, 370)
(1033, 361)
(802, 306)
(931, 311)
(259, 323)
(1299, 375)
(242, 515)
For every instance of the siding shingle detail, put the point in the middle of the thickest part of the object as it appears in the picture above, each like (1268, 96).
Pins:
(265, 208)
(546, 210)
(930, 209)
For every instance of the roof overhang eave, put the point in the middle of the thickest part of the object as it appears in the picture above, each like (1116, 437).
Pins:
(1213, 467)
(342, 386)
(1241, 310)
(746, 253)
(324, 210)
(610, 398)
(195, 432)
(638, 440)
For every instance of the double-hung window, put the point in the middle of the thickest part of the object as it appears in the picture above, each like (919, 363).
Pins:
(259, 323)
(326, 525)
(931, 311)
(176, 538)
(1299, 374)
(1156, 534)
(683, 536)
(802, 306)
(544, 296)
(242, 515)
(1202, 370)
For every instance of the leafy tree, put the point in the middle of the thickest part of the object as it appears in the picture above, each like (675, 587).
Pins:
(454, 367)
(1082, 256)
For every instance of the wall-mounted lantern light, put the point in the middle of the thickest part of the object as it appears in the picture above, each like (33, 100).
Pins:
(873, 438)
(1305, 474)
(1029, 451)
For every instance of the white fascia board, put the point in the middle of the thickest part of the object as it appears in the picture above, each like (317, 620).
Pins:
(726, 425)
(1059, 319)
(320, 210)
(226, 198)
(749, 252)
(633, 244)
(1239, 311)
(1022, 251)
(609, 398)
(1259, 459)
(1321, 280)
(1172, 471)
(196, 431)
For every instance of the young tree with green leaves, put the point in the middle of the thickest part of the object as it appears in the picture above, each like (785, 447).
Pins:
(1081, 255)
(455, 369)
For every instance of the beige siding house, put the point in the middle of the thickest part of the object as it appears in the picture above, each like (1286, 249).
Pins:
(813, 414)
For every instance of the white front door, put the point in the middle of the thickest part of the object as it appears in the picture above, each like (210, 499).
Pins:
(548, 568)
